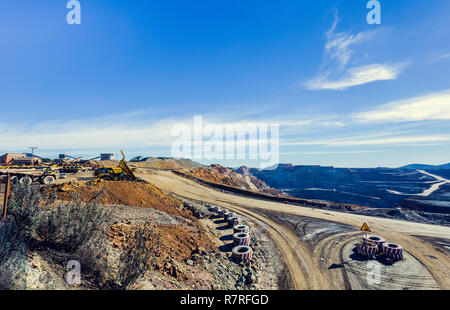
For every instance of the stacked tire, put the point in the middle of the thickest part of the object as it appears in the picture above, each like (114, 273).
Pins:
(241, 228)
(242, 253)
(222, 212)
(241, 238)
(234, 221)
(214, 208)
(375, 239)
(228, 215)
(367, 249)
(393, 251)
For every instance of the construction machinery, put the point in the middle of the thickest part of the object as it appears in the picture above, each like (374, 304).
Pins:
(68, 164)
(120, 173)
(45, 176)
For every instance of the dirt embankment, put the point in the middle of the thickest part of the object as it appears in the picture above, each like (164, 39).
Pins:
(172, 236)
(183, 252)
(217, 174)
(126, 193)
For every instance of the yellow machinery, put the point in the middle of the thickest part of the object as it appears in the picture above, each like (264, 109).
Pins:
(120, 173)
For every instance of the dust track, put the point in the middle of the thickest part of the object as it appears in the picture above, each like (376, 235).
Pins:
(312, 240)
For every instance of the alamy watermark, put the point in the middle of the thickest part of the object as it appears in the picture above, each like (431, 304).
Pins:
(258, 142)
(374, 275)
(74, 15)
(73, 276)
(374, 16)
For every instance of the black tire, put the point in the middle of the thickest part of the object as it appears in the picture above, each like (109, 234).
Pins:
(26, 180)
(241, 228)
(48, 180)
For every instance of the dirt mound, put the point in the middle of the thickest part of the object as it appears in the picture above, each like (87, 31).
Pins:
(127, 193)
(170, 245)
(166, 163)
(226, 176)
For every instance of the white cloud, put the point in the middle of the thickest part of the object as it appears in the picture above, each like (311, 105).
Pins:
(444, 56)
(356, 76)
(434, 106)
(395, 140)
(87, 134)
(339, 51)
(338, 46)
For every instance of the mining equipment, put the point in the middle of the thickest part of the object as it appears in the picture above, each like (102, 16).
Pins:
(44, 176)
(120, 173)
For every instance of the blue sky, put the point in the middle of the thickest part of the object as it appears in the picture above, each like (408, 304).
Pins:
(344, 92)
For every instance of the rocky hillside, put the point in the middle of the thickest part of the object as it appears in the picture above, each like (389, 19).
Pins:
(241, 178)
(126, 235)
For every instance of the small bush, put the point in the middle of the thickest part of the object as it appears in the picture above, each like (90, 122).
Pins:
(69, 226)
(23, 210)
(71, 229)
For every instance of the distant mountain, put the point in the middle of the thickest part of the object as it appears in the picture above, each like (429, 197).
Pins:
(374, 187)
(425, 167)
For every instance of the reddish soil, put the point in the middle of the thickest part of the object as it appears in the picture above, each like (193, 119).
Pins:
(170, 245)
(226, 176)
(127, 193)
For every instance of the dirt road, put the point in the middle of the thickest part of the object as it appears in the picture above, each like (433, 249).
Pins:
(312, 240)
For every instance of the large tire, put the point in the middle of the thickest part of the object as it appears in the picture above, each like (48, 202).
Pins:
(14, 179)
(241, 228)
(375, 239)
(241, 239)
(368, 250)
(229, 215)
(233, 221)
(48, 180)
(213, 208)
(242, 253)
(393, 251)
(222, 212)
(26, 180)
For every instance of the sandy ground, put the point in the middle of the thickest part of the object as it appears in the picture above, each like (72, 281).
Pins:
(312, 241)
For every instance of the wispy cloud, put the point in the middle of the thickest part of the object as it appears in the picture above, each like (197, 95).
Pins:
(356, 76)
(340, 50)
(444, 56)
(395, 140)
(339, 44)
(434, 106)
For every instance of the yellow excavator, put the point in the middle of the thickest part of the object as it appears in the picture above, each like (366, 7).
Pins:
(120, 173)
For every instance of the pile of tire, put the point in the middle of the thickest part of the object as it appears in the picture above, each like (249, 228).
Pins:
(241, 238)
(233, 221)
(242, 253)
(222, 212)
(228, 215)
(367, 249)
(375, 239)
(214, 208)
(393, 251)
(241, 228)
